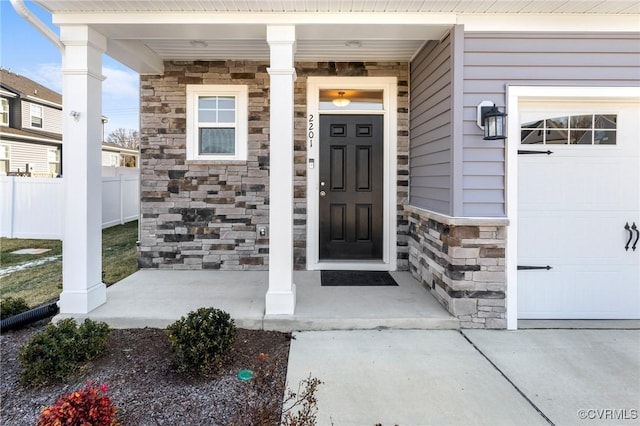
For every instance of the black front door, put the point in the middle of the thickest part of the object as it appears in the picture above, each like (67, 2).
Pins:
(351, 185)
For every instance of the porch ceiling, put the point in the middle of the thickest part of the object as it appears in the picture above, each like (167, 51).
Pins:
(346, 6)
(144, 33)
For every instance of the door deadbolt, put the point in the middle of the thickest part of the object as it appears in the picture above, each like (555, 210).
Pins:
(321, 183)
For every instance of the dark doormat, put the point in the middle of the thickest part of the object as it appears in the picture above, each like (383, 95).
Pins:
(356, 278)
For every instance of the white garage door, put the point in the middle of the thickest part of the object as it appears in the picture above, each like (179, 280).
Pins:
(579, 210)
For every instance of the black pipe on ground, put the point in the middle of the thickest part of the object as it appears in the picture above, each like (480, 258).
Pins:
(27, 317)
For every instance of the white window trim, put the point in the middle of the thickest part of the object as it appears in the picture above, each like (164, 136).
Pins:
(241, 93)
(516, 95)
(53, 152)
(389, 86)
(2, 110)
(8, 150)
(55, 156)
(32, 108)
(6, 158)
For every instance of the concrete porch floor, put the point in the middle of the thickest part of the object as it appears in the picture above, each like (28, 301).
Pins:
(156, 298)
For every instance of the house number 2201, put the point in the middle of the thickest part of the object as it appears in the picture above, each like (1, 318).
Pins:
(311, 130)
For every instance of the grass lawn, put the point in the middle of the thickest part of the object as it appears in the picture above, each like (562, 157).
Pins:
(40, 284)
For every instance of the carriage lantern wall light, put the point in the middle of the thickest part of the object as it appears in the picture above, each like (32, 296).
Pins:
(492, 121)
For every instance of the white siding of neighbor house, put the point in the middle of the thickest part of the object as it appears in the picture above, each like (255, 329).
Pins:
(431, 127)
(106, 158)
(51, 118)
(32, 153)
(492, 61)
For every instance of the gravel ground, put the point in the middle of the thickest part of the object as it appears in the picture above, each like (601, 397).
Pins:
(143, 384)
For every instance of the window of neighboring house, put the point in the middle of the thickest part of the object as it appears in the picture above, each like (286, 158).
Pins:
(217, 122)
(584, 129)
(53, 158)
(129, 161)
(36, 116)
(5, 154)
(4, 112)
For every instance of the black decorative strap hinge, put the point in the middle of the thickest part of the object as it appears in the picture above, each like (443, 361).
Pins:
(530, 152)
(530, 268)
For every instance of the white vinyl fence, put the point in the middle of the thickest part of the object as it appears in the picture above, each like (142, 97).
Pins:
(33, 208)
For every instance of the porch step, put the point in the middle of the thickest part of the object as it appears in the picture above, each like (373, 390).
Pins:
(287, 323)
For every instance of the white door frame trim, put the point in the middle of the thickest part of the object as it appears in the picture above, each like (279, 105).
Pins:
(516, 94)
(389, 86)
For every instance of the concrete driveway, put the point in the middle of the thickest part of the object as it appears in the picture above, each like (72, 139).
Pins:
(572, 376)
(473, 377)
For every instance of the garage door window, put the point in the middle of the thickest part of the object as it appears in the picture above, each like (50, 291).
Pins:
(583, 129)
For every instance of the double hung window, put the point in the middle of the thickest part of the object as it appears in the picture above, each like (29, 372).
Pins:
(217, 122)
(4, 112)
(5, 156)
(36, 116)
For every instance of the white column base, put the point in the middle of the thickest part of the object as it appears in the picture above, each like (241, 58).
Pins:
(281, 302)
(83, 301)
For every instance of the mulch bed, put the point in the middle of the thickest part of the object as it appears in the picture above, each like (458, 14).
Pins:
(143, 383)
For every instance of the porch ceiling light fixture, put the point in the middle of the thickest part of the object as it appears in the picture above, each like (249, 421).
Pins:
(341, 101)
(492, 121)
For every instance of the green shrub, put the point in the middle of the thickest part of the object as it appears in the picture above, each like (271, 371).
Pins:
(200, 340)
(88, 406)
(55, 352)
(12, 306)
(94, 336)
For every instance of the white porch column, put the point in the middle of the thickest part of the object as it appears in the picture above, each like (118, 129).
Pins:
(281, 296)
(82, 287)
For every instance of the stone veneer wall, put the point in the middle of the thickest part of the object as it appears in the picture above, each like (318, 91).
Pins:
(203, 214)
(462, 263)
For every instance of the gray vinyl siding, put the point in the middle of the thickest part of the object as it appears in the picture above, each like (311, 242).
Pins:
(493, 61)
(34, 154)
(431, 128)
(51, 118)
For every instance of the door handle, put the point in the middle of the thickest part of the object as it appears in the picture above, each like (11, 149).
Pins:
(635, 243)
(628, 229)
(322, 193)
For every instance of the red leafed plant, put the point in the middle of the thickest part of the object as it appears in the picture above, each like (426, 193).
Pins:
(90, 406)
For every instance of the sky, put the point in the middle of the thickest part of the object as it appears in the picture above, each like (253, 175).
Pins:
(24, 51)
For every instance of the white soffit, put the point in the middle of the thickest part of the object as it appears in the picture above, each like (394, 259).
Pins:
(347, 6)
(315, 42)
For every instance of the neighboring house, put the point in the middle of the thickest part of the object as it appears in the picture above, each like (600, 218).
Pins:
(344, 135)
(117, 156)
(31, 127)
(31, 131)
